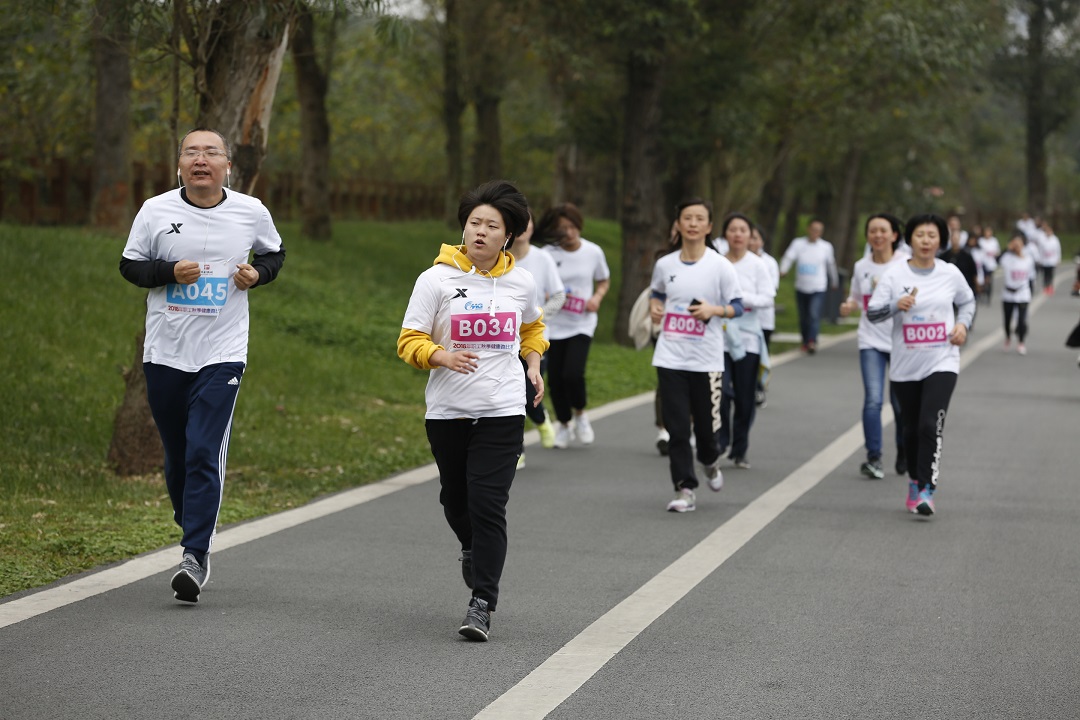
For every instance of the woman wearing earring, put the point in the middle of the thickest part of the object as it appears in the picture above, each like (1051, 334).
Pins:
(469, 318)
(875, 341)
(693, 288)
(920, 296)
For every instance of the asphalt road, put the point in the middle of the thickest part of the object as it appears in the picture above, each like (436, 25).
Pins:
(802, 590)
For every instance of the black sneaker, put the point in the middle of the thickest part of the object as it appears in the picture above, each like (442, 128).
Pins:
(189, 580)
(477, 622)
(872, 469)
(901, 464)
(466, 568)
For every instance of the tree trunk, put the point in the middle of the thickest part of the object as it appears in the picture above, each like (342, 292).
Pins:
(777, 246)
(487, 150)
(1035, 108)
(111, 204)
(644, 223)
(136, 445)
(238, 49)
(312, 83)
(772, 193)
(844, 219)
(453, 107)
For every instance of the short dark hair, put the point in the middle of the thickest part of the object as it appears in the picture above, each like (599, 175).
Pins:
(224, 142)
(927, 219)
(894, 223)
(502, 196)
(546, 229)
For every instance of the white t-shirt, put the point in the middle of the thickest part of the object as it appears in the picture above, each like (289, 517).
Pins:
(471, 311)
(864, 278)
(902, 249)
(1017, 273)
(767, 315)
(579, 270)
(1051, 251)
(686, 343)
(815, 264)
(920, 336)
(991, 250)
(191, 326)
(758, 293)
(546, 275)
(1036, 240)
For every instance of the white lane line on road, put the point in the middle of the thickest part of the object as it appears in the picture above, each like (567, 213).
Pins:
(560, 676)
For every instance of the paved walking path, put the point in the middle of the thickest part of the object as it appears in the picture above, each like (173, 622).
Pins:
(802, 590)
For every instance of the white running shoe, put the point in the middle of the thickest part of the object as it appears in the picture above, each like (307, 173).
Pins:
(521, 461)
(713, 476)
(563, 435)
(583, 429)
(1021, 349)
(684, 501)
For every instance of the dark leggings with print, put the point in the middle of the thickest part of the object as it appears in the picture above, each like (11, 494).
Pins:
(923, 405)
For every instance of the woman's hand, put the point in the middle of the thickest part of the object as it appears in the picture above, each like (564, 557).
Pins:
(958, 335)
(463, 362)
(534, 376)
(906, 302)
(847, 307)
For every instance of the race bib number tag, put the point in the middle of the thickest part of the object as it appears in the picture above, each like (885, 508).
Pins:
(683, 327)
(807, 269)
(482, 331)
(1019, 277)
(866, 302)
(205, 296)
(923, 335)
(574, 305)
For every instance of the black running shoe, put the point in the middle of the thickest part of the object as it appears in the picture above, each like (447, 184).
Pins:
(189, 580)
(477, 622)
(901, 464)
(466, 568)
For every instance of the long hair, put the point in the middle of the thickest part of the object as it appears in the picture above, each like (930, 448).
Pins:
(894, 223)
(676, 244)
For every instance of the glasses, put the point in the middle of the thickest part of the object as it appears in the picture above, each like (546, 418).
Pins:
(209, 154)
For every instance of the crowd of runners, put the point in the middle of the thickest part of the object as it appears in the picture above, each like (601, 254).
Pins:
(518, 299)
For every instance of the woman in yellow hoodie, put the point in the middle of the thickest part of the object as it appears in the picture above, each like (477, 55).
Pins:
(469, 317)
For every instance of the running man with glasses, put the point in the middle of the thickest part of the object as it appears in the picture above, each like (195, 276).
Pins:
(191, 248)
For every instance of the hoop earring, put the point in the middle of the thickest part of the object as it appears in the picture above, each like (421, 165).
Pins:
(179, 182)
(228, 179)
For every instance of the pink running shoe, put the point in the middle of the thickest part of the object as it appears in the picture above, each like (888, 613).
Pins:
(912, 496)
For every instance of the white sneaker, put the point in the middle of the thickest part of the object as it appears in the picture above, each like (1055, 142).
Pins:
(521, 461)
(583, 429)
(663, 441)
(713, 476)
(684, 501)
(1021, 349)
(563, 435)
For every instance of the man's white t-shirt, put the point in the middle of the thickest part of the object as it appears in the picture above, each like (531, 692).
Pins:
(579, 270)
(815, 264)
(686, 343)
(191, 326)
(767, 315)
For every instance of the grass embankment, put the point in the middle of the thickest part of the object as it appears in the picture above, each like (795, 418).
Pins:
(326, 405)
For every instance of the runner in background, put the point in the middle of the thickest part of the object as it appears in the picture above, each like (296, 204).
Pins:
(931, 306)
(550, 295)
(693, 288)
(815, 273)
(1050, 258)
(991, 250)
(875, 340)
(766, 315)
(585, 275)
(743, 359)
(1018, 272)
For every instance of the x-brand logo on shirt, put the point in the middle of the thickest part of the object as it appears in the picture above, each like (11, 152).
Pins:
(907, 291)
(671, 278)
(460, 293)
(175, 228)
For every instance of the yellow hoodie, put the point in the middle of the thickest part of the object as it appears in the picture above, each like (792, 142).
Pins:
(416, 347)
